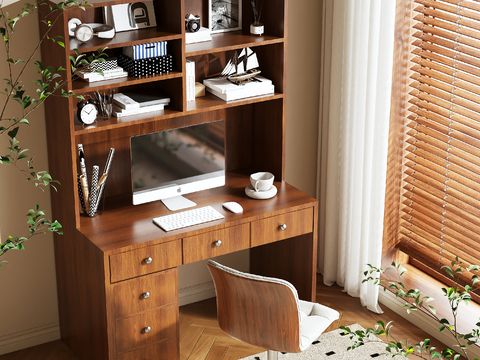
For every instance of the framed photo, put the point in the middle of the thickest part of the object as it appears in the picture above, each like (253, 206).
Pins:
(224, 15)
(131, 16)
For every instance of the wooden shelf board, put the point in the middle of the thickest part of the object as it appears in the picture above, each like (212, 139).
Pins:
(203, 104)
(82, 87)
(229, 41)
(124, 38)
(210, 102)
(114, 122)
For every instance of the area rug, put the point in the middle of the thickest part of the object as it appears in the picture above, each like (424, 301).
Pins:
(333, 346)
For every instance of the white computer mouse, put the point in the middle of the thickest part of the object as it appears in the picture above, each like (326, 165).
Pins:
(233, 206)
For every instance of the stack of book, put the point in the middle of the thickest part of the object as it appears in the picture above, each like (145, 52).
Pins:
(109, 68)
(228, 91)
(134, 103)
(190, 72)
(200, 36)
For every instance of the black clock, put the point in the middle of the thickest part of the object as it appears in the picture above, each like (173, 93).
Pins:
(87, 111)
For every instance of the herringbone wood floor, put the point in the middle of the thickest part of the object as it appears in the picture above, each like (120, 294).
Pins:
(201, 338)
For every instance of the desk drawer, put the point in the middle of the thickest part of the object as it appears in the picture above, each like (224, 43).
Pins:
(134, 263)
(131, 333)
(145, 293)
(204, 246)
(282, 227)
(165, 350)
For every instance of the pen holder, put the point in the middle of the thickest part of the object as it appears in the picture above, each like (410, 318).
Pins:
(95, 204)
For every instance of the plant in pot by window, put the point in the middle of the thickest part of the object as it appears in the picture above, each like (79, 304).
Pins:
(456, 295)
(15, 99)
(257, 27)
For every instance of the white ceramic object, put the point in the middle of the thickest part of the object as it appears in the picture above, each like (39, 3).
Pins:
(262, 181)
(260, 195)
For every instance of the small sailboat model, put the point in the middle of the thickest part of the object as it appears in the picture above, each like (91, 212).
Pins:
(242, 69)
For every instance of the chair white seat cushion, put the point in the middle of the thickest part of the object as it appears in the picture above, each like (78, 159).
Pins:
(314, 319)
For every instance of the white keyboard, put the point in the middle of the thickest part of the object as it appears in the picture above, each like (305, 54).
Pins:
(188, 218)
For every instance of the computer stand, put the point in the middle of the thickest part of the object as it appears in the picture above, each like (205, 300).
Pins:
(178, 203)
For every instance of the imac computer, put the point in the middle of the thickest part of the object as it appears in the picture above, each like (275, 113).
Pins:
(171, 163)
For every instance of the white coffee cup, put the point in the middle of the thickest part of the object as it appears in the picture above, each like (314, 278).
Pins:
(262, 181)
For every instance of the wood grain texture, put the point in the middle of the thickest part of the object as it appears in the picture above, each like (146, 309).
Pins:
(162, 289)
(235, 238)
(164, 350)
(130, 332)
(134, 263)
(259, 313)
(270, 230)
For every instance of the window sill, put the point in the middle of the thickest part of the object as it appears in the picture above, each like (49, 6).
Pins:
(414, 278)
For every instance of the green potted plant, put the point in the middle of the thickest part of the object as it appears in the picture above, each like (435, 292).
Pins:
(415, 301)
(15, 99)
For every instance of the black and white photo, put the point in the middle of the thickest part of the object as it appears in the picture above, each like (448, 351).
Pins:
(225, 15)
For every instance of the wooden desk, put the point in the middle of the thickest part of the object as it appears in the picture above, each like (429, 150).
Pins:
(111, 316)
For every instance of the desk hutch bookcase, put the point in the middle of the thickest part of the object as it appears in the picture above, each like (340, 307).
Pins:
(102, 274)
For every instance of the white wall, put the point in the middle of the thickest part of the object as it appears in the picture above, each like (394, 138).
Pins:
(28, 282)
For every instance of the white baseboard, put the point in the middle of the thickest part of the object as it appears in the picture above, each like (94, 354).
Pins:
(29, 337)
(421, 320)
(197, 292)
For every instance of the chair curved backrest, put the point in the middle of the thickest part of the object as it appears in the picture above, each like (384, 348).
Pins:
(260, 311)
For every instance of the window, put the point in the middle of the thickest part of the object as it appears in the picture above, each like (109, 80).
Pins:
(435, 135)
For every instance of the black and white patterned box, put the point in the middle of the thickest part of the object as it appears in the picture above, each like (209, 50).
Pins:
(149, 66)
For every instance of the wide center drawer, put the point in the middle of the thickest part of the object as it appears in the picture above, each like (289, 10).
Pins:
(147, 328)
(145, 293)
(145, 261)
(282, 227)
(216, 243)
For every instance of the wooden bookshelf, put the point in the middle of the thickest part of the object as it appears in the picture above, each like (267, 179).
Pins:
(100, 275)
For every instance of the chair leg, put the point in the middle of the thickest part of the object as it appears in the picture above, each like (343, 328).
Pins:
(272, 355)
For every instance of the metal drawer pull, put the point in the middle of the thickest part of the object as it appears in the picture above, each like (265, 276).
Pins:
(146, 295)
(147, 329)
(218, 243)
(283, 227)
(148, 260)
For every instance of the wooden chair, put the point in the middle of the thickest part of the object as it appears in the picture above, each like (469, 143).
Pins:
(266, 312)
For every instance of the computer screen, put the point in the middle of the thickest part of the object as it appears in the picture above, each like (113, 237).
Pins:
(179, 161)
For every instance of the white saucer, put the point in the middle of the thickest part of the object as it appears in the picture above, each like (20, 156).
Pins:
(261, 195)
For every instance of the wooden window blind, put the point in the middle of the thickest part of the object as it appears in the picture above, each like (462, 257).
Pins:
(440, 216)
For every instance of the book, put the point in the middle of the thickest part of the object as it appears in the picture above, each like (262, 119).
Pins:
(243, 94)
(223, 86)
(190, 72)
(107, 75)
(119, 112)
(134, 100)
(201, 35)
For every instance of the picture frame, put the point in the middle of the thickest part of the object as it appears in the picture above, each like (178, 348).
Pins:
(130, 16)
(224, 15)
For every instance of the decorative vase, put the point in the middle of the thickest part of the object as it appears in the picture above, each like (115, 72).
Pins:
(257, 29)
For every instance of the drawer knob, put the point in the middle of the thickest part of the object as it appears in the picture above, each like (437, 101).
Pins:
(218, 243)
(148, 260)
(147, 329)
(283, 227)
(146, 295)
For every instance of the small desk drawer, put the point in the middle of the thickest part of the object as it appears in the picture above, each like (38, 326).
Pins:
(146, 329)
(282, 227)
(145, 293)
(216, 243)
(145, 261)
(165, 350)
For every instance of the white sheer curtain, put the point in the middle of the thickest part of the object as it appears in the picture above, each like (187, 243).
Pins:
(355, 109)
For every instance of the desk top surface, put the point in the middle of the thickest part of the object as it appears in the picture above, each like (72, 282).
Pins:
(124, 226)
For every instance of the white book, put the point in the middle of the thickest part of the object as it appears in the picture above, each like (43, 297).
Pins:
(135, 100)
(190, 80)
(99, 77)
(200, 36)
(119, 112)
(243, 94)
(92, 74)
(223, 86)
